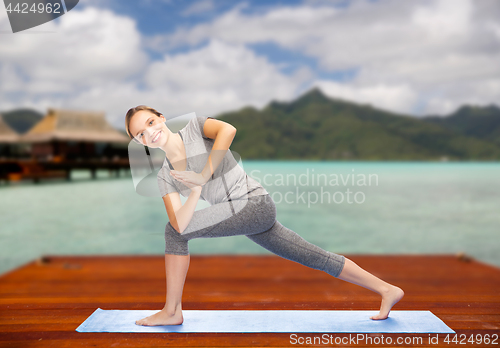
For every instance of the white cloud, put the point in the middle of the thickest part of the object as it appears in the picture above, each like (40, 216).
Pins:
(87, 47)
(430, 56)
(210, 80)
(85, 50)
(11, 79)
(433, 48)
(444, 18)
(199, 7)
(95, 60)
(220, 77)
(391, 97)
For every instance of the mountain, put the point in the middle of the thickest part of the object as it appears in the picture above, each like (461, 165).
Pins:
(474, 121)
(317, 127)
(21, 120)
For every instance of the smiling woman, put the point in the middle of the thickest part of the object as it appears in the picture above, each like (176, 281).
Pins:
(239, 205)
(150, 119)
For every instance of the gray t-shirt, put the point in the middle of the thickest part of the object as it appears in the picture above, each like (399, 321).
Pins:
(228, 182)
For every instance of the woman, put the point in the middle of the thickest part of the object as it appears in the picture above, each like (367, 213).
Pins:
(239, 206)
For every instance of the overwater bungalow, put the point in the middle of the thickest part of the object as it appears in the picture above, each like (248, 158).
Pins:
(9, 139)
(72, 135)
(61, 141)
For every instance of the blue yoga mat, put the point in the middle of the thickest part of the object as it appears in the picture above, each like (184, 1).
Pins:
(269, 321)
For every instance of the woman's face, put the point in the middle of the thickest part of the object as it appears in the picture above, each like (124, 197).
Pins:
(148, 129)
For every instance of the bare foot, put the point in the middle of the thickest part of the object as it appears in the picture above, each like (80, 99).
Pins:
(389, 299)
(162, 318)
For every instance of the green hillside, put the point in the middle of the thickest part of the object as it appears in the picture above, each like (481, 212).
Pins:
(479, 122)
(316, 127)
(321, 128)
(21, 120)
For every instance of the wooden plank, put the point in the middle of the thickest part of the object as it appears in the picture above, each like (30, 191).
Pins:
(44, 301)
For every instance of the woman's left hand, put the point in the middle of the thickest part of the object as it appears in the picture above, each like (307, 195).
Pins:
(189, 176)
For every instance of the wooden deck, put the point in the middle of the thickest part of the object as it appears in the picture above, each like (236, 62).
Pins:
(43, 302)
(13, 170)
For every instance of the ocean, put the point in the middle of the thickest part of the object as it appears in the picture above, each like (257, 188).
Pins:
(344, 207)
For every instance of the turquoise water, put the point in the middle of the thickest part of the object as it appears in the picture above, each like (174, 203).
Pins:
(406, 208)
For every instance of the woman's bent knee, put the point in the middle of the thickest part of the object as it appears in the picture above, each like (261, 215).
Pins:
(175, 243)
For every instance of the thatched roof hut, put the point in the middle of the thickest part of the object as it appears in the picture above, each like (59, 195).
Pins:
(70, 125)
(7, 134)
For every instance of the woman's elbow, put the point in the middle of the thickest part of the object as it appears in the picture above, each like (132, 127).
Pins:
(231, 129)
(176, 226)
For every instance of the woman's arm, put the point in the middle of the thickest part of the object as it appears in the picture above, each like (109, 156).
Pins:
(223, 133)
(178, 214)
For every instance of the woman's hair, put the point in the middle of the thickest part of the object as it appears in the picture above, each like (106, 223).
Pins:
(131, 112)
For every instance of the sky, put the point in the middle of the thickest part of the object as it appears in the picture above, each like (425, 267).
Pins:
(413, 57)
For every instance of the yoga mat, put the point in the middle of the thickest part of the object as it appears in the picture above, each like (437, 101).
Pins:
(269, 321)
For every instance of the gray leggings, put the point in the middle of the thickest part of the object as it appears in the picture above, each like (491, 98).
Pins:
(256, 219)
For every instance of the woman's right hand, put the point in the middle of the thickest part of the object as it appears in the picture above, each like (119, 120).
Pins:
(183, 177)
(193, 187)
